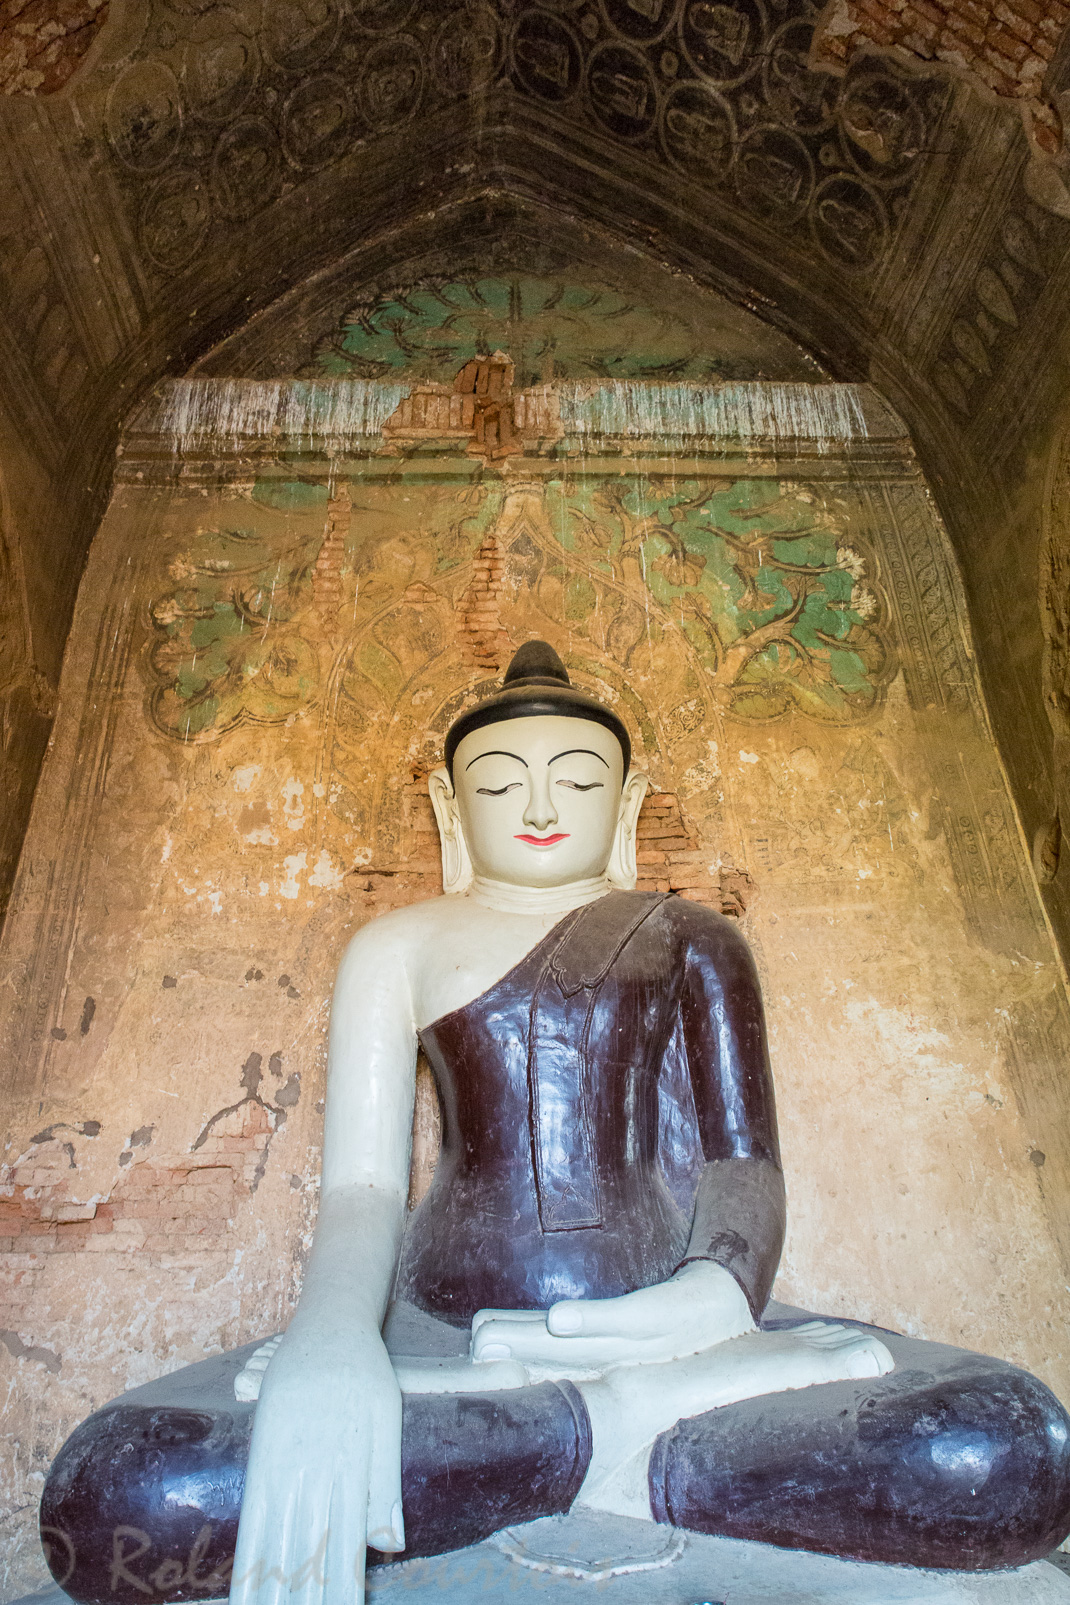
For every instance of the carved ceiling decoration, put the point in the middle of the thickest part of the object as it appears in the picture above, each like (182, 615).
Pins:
(1026, 248)
(217, 114)
(1006, 45)
(210, 113)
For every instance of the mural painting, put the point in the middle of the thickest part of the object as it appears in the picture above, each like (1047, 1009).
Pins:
(269, 650)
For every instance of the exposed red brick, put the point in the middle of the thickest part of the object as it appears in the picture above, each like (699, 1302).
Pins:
(327, 574)
(43, 42)
(1005, 43)
(961, 31)
(1007, 47)
(1024, 28)
(1029, 11)
(479, 625)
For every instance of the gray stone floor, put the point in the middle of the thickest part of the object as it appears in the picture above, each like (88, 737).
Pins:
(607, 1560)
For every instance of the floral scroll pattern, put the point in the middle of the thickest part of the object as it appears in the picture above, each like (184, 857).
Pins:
(754, 589)
(232, 638)
(551, 329)
(783, 611)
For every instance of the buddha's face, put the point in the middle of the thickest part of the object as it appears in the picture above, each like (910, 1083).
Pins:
(540, 799)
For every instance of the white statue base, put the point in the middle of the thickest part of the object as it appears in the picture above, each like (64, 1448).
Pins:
(613, 1560)
(591, 1558)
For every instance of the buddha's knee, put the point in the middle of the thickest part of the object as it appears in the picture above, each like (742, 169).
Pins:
(143, 1499)
(963, 1465)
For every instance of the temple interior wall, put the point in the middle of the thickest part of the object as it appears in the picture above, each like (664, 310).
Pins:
(270, 640)
(240, 191)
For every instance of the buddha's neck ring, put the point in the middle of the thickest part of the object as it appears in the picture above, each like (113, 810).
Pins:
(510, 899)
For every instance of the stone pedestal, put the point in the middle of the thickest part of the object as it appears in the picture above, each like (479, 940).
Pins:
(567, 1560)
(590, 1559)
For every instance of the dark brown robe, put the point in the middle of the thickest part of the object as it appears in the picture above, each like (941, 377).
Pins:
(607, 1115)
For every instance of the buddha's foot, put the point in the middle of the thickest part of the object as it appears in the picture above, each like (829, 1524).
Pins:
(248, 1380)
(631, 1406)
(417, 1375)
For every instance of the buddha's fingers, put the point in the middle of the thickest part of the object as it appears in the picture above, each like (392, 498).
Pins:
(262, 1568)
(347, 1549)
(519, 1317)
(312, 1558)
(325, 1554)
(383, 1515)
(534, 1346)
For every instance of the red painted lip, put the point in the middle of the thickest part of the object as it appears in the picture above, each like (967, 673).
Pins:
(545, 841)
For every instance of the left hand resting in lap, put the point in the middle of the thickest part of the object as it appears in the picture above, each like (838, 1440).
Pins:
(700, 1306)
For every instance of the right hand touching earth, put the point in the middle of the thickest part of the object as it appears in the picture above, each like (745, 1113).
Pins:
(324, 1474)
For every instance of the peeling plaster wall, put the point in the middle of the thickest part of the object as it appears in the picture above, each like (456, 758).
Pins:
(1007, 45)
(270, 640)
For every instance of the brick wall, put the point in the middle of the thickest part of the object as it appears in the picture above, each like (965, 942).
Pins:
(177, 1210)
(1007, 44)
(479, 625)
(43, 42)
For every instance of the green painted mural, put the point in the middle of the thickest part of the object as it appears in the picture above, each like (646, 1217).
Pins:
(782, 611)
(552, 328)
(754, 580)
(227, 650)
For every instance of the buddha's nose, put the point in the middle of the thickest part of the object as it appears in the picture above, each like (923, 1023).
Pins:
(540, 811)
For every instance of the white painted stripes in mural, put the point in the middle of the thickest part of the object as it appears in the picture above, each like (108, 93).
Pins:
(193, 411)
(756, 409)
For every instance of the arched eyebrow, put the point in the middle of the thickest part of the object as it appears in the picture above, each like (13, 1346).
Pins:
(495, 753)
(572, 752)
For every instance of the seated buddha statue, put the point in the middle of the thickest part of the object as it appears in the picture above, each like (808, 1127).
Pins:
(577, 1313)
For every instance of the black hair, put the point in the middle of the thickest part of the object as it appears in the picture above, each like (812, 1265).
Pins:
(536, 683)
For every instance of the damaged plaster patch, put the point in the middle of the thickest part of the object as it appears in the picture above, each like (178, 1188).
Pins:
(293, 806)
(83, 1128)
(137, 1139)
(293, 865)
(25, 1351)
(326, 873)
(286, 1098)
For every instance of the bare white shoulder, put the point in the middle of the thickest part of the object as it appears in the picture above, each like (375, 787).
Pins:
(402, 932)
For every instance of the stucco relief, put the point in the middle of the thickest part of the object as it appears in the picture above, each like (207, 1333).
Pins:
(991, 309)
(552, 328)
(686, 603)
(229, 644)
(724, 96)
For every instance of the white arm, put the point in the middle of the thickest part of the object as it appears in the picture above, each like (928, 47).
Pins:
(324, 1472)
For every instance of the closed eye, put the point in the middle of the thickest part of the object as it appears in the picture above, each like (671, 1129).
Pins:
(574, 785)
(489, 791)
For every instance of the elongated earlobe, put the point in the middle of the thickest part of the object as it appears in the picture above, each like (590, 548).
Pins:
(622, 867)
(456, 864)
